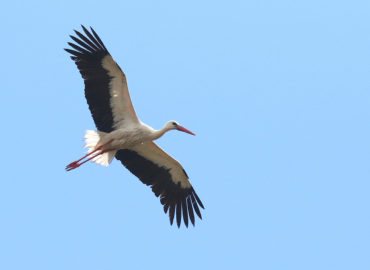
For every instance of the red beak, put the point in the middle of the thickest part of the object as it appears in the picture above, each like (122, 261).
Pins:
(181, 128)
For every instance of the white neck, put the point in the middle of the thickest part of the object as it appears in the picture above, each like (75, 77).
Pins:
(159, 133)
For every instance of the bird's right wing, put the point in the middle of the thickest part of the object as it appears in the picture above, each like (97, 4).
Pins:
(166, 177)
(106, 88)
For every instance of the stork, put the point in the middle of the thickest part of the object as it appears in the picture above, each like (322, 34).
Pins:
(122, 135)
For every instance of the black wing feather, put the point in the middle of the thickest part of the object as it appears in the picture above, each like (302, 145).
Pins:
(88, 56)
(190, 209)
(185, 212)
(85, 43)
(178, 214)
(195, 206)
(92, 38)
(78, 48)
(98, 38)
(172, 196)
(76, 54)
(198, 200)
(172, 213)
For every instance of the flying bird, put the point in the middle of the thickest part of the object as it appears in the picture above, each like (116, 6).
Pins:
(122, 135)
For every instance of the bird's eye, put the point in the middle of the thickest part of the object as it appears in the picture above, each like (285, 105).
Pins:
(173, 123)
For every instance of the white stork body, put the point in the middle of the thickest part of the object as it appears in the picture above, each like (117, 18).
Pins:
(122, 135)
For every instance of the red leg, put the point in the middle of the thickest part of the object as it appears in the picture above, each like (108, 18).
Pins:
(76, 164)
(88, 154)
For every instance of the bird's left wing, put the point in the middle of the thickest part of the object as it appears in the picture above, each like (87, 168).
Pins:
(106, 88)
(166, 177)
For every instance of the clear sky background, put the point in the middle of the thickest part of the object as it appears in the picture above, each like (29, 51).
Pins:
(277, 92)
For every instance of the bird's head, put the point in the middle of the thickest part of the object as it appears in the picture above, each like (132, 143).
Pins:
(174, 125)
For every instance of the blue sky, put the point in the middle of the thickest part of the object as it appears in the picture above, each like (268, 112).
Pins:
(277, 93)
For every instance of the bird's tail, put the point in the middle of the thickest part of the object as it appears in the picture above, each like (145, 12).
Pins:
(93, 139)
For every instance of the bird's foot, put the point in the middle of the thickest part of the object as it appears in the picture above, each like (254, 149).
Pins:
(72, 165)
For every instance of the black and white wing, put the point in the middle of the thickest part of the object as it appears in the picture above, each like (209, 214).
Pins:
(106, 88)
(166, 177)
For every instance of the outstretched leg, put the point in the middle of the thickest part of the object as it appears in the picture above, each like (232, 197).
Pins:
(77, 163)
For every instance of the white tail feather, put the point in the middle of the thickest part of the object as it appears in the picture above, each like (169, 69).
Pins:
(92, 140)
